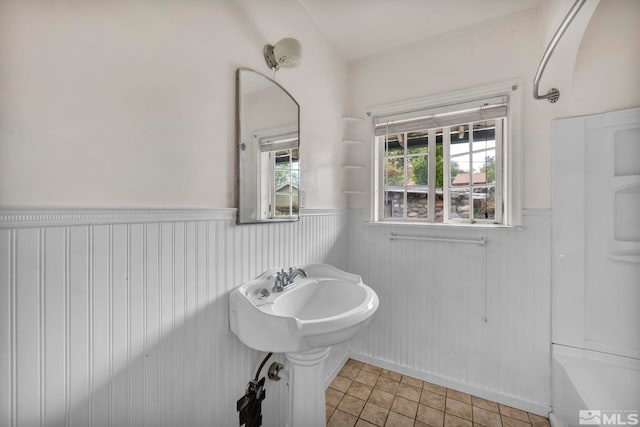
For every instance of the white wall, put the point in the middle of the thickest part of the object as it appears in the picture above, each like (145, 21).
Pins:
(605, 77)
(132, 104)
(111, 104)
(429, 320)
(113, 318)
(501, 50)
(596, 64)
(602, 77)
(432, 305)
(435, 296)
(587, 280)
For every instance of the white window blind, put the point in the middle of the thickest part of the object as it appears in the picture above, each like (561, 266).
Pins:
(279, 142)
(442, 116)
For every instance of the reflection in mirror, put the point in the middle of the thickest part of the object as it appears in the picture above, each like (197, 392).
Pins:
(268, 150)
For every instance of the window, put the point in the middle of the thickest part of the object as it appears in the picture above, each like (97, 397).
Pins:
(286, 182)
(448, 160)
(279, 160)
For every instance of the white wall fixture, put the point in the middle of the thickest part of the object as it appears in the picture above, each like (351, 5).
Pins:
(596, 241)
(302, 309)
(554, 94)
(353, 169)
(596, 264)
(302, 313)
(287, 53)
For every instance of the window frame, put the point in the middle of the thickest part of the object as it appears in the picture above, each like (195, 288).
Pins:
(290, 195)
(511, 162)
(270, 141)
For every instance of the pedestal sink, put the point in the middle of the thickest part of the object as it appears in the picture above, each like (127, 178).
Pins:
(327, 307)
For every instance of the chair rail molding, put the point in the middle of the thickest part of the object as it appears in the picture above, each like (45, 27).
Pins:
(53, 217)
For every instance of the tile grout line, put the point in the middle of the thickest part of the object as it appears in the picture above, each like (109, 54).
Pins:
(346, 379)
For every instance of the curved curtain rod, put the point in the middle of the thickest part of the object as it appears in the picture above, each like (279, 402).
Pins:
(554, 93)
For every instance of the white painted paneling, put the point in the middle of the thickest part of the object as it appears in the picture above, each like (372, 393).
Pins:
(101, 324)
(26, 307)
(6, 290)
(519, 311)
(126, 323)
(435, 296)
(55, 332)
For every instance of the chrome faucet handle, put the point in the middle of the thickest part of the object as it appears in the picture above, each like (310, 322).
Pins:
(289, 276)
(285, 278)
(293, 272)
(280, 282)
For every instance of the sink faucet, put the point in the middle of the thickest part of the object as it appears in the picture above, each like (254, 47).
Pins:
(294, 272)
(284, 279)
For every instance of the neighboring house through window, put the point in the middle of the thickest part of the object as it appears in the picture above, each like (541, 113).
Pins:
(286, 181)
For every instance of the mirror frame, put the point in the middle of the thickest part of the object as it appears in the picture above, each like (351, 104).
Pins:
(238, 143)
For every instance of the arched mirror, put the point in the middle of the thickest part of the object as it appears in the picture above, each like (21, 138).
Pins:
(268, 129)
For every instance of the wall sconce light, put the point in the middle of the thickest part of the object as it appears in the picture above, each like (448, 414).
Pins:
(286, 53)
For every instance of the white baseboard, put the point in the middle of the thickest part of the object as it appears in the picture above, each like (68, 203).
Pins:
(534, 408)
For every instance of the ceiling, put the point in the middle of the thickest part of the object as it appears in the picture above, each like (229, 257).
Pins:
(359, 28)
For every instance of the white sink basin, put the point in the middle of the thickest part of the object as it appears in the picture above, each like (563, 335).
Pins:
(326, 308)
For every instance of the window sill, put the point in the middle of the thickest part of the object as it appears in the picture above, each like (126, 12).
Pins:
(433, 226)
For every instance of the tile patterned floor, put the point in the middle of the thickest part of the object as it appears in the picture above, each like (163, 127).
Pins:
(364, 395)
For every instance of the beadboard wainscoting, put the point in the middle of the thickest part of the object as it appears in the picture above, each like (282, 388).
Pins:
(120, 317)
(470, 317)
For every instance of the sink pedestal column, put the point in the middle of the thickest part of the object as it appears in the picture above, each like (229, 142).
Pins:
(306, 393)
